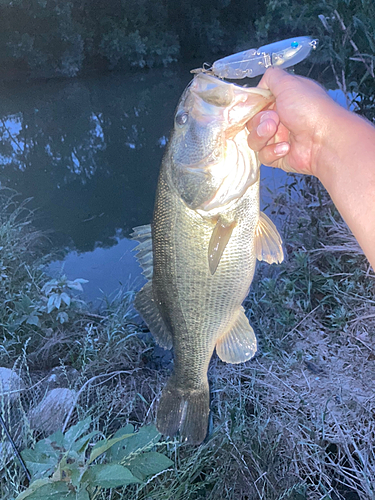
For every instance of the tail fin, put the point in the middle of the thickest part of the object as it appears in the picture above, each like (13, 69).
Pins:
(185, 410)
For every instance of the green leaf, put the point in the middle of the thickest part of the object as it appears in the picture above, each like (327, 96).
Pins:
(33, 320)
(75, 432)
(109, 476)
(25, 303)
(104, 445)
(81, 444)
(51, 302)
(47, 489)
(33, 487)
(76, 284)
(47, 447)
(56, 439)
(57, 301)
(128, 429)
(145, 438)
(65, 297)
(48, 287)
(73, 472)
(39, 463)
(62, 317)
(82, 495)
(148, 464)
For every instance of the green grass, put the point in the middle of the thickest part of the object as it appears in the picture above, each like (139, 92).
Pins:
(295, 423)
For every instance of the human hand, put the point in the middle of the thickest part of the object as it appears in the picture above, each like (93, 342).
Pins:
(291, 135)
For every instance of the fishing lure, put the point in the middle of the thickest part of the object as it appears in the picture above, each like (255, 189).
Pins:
(254, 62)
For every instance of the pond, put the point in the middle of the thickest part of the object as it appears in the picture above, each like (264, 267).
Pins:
(88, 153)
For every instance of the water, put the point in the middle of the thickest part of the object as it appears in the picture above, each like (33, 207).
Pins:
(88, 152)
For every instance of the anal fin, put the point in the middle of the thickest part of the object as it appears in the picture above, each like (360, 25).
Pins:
(239, 344)
(268, 242)
(146, 306)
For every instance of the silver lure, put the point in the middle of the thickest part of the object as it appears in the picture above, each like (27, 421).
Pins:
(254, 62)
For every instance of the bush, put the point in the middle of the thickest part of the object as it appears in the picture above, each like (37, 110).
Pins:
(68, 466)
(41, 37)
(32, 305)
(346, 32)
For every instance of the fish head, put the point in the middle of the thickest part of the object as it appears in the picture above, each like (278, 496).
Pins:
(210, 162)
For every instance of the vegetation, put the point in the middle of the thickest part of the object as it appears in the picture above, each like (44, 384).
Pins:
(345, 29)
(294, 423)
(61, 467)
(55, 38)
(63, 38)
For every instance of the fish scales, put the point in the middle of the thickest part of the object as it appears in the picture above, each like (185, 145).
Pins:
(195, 300)
(207, 232)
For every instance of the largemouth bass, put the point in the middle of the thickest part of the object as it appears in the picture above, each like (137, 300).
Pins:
(200, 251)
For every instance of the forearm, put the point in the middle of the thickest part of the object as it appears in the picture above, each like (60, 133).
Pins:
(345, 164)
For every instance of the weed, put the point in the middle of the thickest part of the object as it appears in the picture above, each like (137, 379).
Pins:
(296, 422)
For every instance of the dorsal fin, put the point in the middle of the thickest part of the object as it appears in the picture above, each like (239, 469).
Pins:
(144, 249)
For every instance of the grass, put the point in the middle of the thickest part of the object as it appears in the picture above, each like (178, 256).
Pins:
(295, 423)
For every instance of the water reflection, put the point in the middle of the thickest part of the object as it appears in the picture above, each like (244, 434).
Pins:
(88, 152)
(107, 269)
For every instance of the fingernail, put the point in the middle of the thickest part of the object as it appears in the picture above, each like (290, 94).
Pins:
(265, 116)
(281, 149)
(262, 129)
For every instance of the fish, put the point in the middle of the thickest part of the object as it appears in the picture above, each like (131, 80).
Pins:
(200, 250)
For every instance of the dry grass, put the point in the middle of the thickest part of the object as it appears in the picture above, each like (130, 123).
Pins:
(296, 422)
(301, 422)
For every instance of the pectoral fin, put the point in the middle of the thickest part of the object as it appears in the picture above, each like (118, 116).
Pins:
(219, 240)
(239, 344)
(146, 306)
(268, 243)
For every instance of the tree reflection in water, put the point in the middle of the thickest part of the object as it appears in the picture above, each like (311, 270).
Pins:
(88, 152)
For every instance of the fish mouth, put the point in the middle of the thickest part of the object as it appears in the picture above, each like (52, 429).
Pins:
(217, 112)
(205, 81)
(232, 104)
(212, 164)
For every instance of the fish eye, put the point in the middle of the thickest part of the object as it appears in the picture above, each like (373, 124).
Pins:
(182, 118)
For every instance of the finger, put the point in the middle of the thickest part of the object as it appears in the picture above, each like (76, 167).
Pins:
(272, 153)
(262, 128)
(275, 80)
(278, 81)
(261, 117)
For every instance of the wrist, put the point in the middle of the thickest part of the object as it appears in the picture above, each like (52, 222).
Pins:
(345, 142)
(328, 138)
